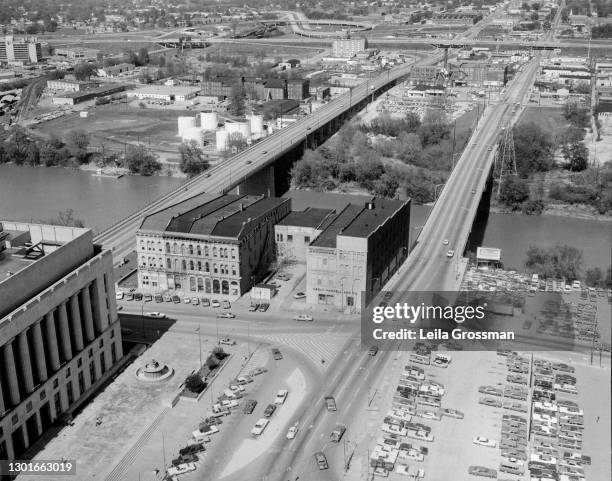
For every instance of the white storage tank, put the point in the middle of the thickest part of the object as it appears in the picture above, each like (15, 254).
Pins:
(192, 133)
(185, 123)
(242, 128)
(257, 124)
(209, 120)
(221, 140)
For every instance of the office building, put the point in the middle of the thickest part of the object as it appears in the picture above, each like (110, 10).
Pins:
(208, 244)
(26, 50)
(359, 250)
(294, 233)
(59, 332)
(347, 47)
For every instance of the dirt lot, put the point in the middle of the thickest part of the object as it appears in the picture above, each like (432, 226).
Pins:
(116, 126)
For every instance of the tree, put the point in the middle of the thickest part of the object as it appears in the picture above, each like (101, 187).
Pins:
(84, 70)
(237, 101)
(435, 127)
(65, 218)
(514, 192)
(78, 143)
(534, 16)
(533, 149)
(409, 148)
(593, 277)
(576, 156)
(194, 383)
(141, 161)
(386, 185)
(212, 362)
(560, 261)
(193, 160)
(576, 114)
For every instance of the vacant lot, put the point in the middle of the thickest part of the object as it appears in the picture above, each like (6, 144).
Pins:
(549, 118)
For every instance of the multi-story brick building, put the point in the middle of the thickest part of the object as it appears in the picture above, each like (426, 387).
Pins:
(209, 244)
(349, 262)
(298, 89)
(294, 233)
(60, 338)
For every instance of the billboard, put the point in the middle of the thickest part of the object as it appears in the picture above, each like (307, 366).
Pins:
(488, 254)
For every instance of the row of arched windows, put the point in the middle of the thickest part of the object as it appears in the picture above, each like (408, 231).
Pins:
(191, 265)
(189, 249)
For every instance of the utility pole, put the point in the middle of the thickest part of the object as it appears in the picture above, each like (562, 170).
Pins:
(200, 346)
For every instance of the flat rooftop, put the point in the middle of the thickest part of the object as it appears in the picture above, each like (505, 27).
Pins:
(302, 199)
(311, 217)
(211, 214)
(368, 220)
(328, 237)
(167, 89)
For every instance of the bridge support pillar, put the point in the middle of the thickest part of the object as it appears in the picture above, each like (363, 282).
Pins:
(261, 182)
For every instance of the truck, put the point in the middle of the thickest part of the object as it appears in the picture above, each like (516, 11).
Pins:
(337, 433)
(330, 402)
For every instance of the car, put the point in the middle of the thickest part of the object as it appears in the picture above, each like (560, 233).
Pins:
(299, 295)
(186, 300)
(482, 471)
(264, 152)
(337, 433)
(176, 299)
(270, 408)
(205, 302)
(330, 403)
(226, 315)
(303, 317)
(195, 301)
(293, 430)
(482, 441)
(215, 303)
(320, 458)
(158, 298)
(248, 162)
(276, 354)
(249, 406)
(473, 191)
(260, 427)
(148, 298)
(257, 371)
(373, 351)
(119, 296)
(281, 396)
(192, 449)
(452, 413)
(490, 149)
(229, 403)
(156, 315)
(227, 341)
(450, 253)
(138, 296)
(242, 380)
(226, 305)
(263, 307)
(253, 307)
(167, 298)
(445, 242)
(129, 296)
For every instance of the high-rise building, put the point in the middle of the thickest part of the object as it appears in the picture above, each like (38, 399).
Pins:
(27, 50)
(348, 47)
(59, 332)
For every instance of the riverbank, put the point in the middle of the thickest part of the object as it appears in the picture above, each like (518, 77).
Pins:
(578, 211)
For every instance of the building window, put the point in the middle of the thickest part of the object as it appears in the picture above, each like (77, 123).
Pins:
(206, 251)
(190, 249)
(43, 394)
(233, 253)
(200, 266)
(57, 400)
(191, 266)
(184, 265)
(200, 284)
(169, 263)
(214, 249)
(112, 336)
(69, 392)
(175, 248)
(101, 343)
(81, 382)
(199, 251)
(90, 353)
(103, 362)
(192, 284)
(15, 419)
(67, 373)
(233, 270)
(80, 361)
(306, 239)
(28, 406)
(113, 353)
(350, 301)
(289, 238)
(92, 372)
(215, 270)
(206, 267)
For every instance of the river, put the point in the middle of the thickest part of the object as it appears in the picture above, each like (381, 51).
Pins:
(39, 193)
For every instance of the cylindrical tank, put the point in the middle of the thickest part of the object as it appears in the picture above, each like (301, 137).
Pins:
(221, 140)
(192, 133)
(185, 123)
(242, 128)
(209, 120)
(256, 122)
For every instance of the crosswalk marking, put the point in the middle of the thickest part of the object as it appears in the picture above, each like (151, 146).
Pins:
(316, 347)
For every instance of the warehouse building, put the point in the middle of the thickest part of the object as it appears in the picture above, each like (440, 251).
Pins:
(73, 98)
(208, 244)
(60, 338)
(357, 253)
(294, 233)
(167, 93)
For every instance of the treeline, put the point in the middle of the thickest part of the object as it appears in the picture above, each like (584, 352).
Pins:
(602, 31)
(22, 149)
(383, 156)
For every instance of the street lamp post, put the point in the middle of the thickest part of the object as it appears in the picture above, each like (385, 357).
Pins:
(200, 345)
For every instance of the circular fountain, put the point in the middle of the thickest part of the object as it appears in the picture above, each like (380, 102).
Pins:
(154, 371)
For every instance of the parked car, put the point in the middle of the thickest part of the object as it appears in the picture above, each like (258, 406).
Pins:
(148, 298)
(119, 295)
(227, 341)
(158, 298)
(373, 351)
(205, 302)
(452, 413)
(167, 298)
(293, 430)
(330, 403)
(186, 300)
(129, 296)
(156, 315)
(337, 433)
(482, 471)
(303, 317)
(192, 449)
(321, 460)
(195, 301)
(253, 307)
(450, 253)
(269, 411)
(249, 406)
(260, 427)
(138, 296)
(215, 303)
(226, 315)
(276, 354)
(176, 299)
(281, 396)
(263, 307)
(299, 295)
(226, 305)
(482, 441)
